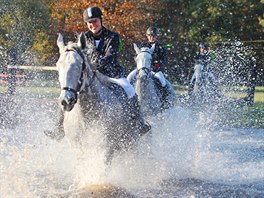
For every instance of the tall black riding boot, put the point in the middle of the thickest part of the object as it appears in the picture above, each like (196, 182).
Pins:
(137, 115)
(168, 95)
(165, 97)
(58, 132)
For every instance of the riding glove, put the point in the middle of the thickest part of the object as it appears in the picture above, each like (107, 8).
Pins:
(102, 61)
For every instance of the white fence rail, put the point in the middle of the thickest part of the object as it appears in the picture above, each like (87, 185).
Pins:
(12, 76)
(50, 68)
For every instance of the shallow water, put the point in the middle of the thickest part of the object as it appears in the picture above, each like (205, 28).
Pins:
(180, 158)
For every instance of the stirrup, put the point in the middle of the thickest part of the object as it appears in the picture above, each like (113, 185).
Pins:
(144, 128)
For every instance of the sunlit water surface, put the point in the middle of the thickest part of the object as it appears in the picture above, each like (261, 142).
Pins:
(180, 158)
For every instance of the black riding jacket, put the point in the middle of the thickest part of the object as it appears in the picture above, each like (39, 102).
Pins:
(106, 53)
(159, 56)
(202, 58)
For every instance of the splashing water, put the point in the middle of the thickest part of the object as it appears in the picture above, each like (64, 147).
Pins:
(180, 158)
(186, 154)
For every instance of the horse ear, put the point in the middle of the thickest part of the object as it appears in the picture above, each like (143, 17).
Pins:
(82, 41)
(136, 48)
(60, 43)
(151, 50)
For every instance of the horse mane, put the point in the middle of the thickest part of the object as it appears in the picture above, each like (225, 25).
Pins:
(74, 46)
(71, 45)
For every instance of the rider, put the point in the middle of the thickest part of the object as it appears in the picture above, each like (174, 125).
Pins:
(103, 46)
(159, 62)
(203, 57)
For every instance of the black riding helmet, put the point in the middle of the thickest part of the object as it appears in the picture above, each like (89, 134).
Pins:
(92, 13)
(152, 31)
(203, 45)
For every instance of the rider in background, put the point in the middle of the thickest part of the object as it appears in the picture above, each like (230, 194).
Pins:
(159, 62)
(159, 56)
(203, 57)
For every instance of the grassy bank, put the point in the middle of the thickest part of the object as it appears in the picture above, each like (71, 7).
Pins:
(238, 114)
(232, 116)
(243, 117)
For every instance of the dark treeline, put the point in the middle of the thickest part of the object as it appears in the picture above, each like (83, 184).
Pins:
(28, 28)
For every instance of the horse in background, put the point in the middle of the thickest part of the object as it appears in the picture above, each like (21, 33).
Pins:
(90, 98)
(203, 85)
(147, 85)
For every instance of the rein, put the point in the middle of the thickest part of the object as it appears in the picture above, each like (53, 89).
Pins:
(146, 51)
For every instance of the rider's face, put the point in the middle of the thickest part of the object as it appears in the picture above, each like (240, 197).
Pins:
(152, 38)
(94, 25)
(202, 50)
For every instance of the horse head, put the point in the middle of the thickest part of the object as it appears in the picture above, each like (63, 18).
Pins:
(145, 85)
(143, 62)
(71, 66)
(143, 58)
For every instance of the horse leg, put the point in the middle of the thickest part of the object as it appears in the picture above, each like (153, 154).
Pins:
(136, 115)
(109, 156)
(112, 146)
(58, 133)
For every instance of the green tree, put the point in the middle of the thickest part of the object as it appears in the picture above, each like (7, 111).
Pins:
(21, 21)
(213, 20)
(184, 23)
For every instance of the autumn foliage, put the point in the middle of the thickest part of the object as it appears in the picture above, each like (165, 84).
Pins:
(129, 18)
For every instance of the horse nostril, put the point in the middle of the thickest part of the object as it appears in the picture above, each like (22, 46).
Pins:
(63, 103)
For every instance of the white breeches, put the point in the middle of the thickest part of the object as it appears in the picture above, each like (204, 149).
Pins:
(198, 69)
(132, 75)
(159, 75)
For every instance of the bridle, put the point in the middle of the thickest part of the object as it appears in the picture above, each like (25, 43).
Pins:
(83, 77)
(145, 69)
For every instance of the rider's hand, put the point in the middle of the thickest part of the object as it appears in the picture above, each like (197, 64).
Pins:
(101, 61)
(157, 65)
(94, 63)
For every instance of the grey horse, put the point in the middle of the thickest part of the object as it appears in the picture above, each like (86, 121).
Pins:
(147, 84)
(203, 87)
(89, 98)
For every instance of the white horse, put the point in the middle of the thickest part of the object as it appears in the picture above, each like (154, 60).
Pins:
(148, 84)
(88, 97)
(203, 83)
